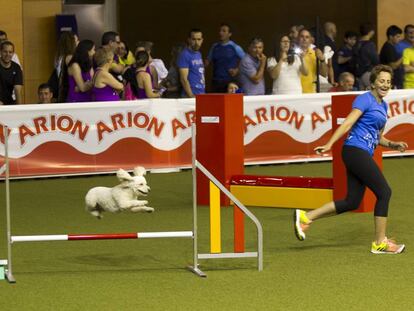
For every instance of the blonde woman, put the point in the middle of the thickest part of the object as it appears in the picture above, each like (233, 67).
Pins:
(105, 86)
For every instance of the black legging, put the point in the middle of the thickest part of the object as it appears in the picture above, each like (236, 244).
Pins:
(362, 171)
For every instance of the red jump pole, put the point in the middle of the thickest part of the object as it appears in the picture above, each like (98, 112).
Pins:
(112, 236)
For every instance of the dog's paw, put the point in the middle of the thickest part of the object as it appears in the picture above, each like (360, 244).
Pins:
(149, 209)
(143, 202)
(146, 209)
(96, 214)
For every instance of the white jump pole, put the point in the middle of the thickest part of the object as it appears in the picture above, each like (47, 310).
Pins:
(9, 271)
(101, 236)
(195, 267)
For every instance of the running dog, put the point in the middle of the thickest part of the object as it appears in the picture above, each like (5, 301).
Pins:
(122, 197)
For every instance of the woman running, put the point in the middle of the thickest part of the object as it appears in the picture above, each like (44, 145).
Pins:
(366, 123)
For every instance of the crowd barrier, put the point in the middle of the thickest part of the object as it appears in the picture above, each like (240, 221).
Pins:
(85, 138)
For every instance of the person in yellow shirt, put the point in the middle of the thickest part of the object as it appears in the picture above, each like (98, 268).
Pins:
(408, 63)
(309, 57)
(126, 57)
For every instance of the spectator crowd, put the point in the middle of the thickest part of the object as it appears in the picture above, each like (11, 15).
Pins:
(303, 62)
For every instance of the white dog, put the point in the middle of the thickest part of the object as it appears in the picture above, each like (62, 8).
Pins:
(121, 197)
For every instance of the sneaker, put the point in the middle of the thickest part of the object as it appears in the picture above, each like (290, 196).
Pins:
(388, 246)
(300, 223)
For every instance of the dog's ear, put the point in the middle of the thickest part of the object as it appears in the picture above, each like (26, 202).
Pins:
(123, 175)
(139, 171)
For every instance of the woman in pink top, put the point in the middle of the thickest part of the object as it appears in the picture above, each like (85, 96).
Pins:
(105, 86)
(144, 82)
(80, 72)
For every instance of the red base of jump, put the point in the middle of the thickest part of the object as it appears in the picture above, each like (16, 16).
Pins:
(282, 181)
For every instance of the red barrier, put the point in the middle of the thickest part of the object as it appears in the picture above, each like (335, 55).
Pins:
(219, 140)
(220, 149)
(283, 181)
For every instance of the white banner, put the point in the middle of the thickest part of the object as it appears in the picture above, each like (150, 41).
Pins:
(92, 128)
(88, 135)
(306, 118)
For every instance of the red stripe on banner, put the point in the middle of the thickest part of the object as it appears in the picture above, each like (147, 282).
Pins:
(279, 146)
(111, 236)
(60, 158)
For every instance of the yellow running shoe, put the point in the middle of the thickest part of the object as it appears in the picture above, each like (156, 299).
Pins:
(388, 246)
(300, 223)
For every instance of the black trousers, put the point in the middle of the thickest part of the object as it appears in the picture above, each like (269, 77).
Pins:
(362, 172)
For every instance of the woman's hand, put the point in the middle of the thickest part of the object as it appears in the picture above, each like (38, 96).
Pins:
(322, 149)
(283, 55)
(320, 55)
(401, 146)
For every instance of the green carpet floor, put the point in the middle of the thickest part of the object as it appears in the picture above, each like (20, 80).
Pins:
(331, 270)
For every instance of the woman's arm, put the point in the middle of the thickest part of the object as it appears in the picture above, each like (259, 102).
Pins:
(117, 68)
(109, 79)
(83, 86)
(401, 146)
(275, 70)
(350, 120)
(146, 81)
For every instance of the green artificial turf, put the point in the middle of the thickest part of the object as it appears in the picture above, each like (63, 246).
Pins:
(331, 270)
